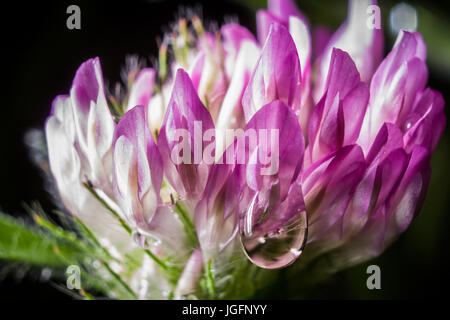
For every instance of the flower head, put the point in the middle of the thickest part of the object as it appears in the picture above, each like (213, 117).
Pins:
(256, 144)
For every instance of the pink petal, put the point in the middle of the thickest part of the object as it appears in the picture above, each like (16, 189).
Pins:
(277, 75)
(142, 88)
(336, 121)
(185, 116)
(138, 168)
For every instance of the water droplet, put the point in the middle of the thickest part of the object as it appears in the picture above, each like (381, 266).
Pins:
(407, 125)
(140, 239)
(410, 121)
(274, 238)
(144, 241)
(96, 264)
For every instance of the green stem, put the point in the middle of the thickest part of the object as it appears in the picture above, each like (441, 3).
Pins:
(94, 240)
(55, 230)
(119, 279)
(158, 261)
(107, 206)
(210, 279)
(117, 109)
(188, 224)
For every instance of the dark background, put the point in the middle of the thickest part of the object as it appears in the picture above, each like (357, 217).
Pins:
(42, 56)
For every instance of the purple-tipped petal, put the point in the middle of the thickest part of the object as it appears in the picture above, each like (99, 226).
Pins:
(264, 19)
(233, 37)
(300, 34)
(89, 102)
(87, 85)
(94, 124)
(210, 71)
(65, 166)
(269, 156)
(388, 172)
(336, 121)
(395, 84)
(180, 140)
(283, 9)
(277, 75)
(425, 124)
(328, 187)
(365, 222)
(142, 89)
(379, 180)
(274, 136)
(387, 162)
(138, 168)
(238, 41)
(388, 139)
(410, 193)
(364, 44)
(279, 11)
(321, 36)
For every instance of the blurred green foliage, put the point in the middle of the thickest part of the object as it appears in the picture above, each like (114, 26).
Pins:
(20, 242)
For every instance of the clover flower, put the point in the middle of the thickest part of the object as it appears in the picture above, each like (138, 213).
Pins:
(247, 147)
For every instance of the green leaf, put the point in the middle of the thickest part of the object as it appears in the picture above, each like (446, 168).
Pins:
(24, 243)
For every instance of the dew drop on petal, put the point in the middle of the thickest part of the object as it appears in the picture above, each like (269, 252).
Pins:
(96, 264)
(144, 241)
(138, 238)
(277, 248)
(410, 121)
